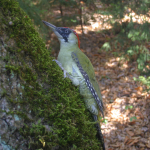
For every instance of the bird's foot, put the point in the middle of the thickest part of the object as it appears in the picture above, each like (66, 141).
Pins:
(66, 74)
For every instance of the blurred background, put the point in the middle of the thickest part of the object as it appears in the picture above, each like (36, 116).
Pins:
(118, 24)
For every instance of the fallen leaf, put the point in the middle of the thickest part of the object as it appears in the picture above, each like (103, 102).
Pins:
(148, 145)
(141, 144)
(129, 141)
(130, 132)
(132, 123)
(139, 88)
(133, 142)
(115, 145)
(126, 139)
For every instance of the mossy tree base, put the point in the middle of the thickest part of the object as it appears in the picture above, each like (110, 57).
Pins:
(38, 108)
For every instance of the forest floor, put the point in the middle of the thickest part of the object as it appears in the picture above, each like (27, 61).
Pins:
(127, 104)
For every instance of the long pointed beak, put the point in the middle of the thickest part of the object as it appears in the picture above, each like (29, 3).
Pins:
(49, 25)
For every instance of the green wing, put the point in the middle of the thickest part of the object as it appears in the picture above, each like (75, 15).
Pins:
(87, 67)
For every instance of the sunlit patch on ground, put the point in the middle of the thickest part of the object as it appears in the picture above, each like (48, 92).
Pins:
(127, 105)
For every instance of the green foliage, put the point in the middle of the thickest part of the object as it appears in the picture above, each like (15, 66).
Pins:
(130, 34)
(46, 95)
(145, 80)
(3, 93)
(106, 47)
(142, 54)
(133, 118)
(105, 121)
(129, 107)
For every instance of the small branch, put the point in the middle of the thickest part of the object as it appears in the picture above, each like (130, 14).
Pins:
(61, 11)
(81, 23)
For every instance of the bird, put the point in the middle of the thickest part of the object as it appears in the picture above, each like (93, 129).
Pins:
(77, 66)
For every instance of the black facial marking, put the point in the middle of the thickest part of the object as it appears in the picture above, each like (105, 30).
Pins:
(64, 32)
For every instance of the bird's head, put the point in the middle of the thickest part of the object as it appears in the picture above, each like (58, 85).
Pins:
(64, 34)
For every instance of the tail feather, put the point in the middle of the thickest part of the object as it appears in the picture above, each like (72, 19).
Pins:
(100, 135)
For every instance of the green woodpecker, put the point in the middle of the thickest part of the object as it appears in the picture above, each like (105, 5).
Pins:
(79, 69)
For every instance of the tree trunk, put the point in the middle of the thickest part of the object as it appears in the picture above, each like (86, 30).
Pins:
(38, 108)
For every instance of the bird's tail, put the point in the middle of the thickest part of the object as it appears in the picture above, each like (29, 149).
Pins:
(99, 134)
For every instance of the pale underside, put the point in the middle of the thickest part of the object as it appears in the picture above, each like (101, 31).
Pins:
(78, 79)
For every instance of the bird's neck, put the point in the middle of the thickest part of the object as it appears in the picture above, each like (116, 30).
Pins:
(65, 51)
(68, 46)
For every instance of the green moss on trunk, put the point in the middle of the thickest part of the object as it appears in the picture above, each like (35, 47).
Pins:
(46, 96)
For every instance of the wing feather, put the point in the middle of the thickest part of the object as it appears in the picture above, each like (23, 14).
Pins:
(89, 79)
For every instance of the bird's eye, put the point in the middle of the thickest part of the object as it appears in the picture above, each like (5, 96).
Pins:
(66, 31)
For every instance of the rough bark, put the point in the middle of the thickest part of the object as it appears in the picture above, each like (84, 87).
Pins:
(38, 108)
